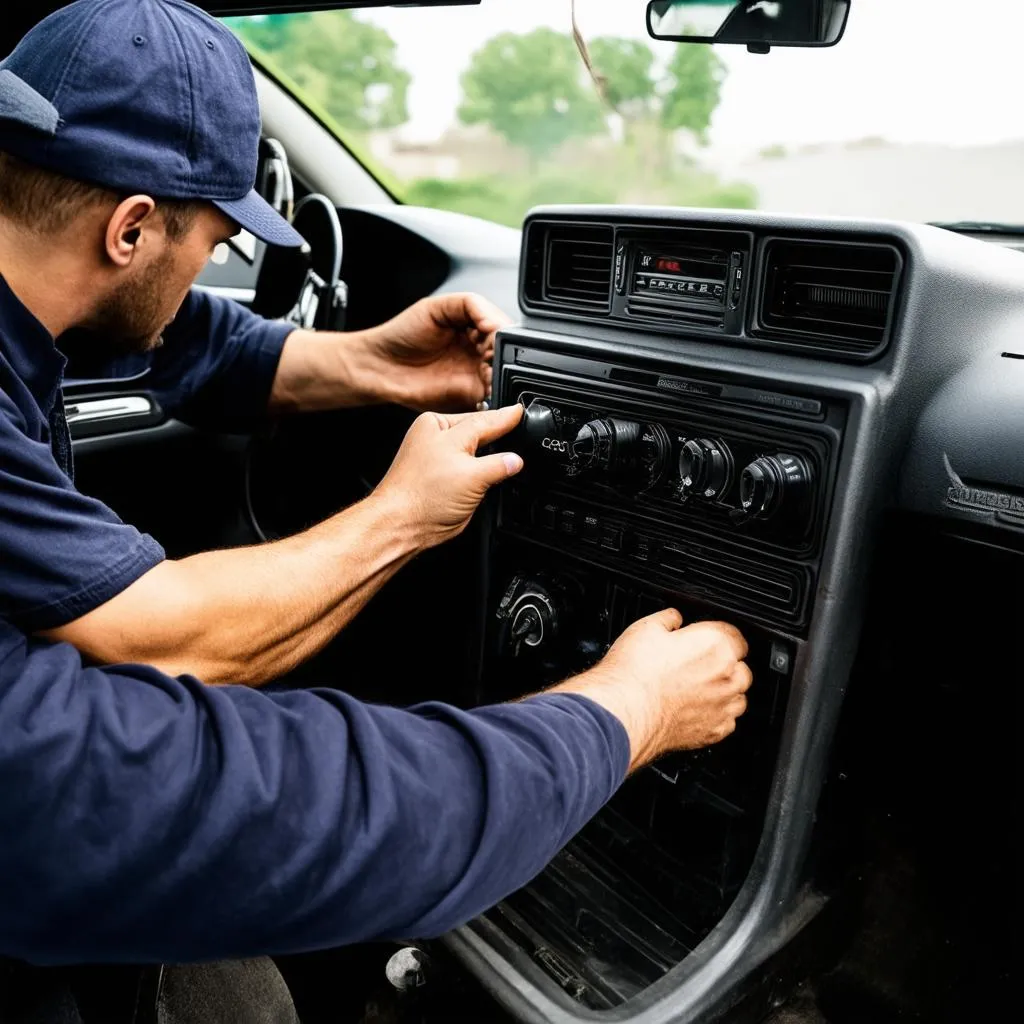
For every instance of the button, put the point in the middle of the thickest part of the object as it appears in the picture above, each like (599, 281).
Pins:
(611, 538)
(547, 516)
(643, 547)
(620, 268)
(591, 529)
(778, 660)
(567, 522)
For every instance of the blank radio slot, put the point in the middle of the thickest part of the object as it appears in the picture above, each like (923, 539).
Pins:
(755, 583)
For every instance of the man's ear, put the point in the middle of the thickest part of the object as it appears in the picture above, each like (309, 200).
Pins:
(125, 228)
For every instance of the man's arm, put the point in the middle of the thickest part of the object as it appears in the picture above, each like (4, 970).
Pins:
(435, 355)
(184, 822)
(249, 615)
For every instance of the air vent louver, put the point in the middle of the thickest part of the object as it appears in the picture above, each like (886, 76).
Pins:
(570, 266)
(834, 298)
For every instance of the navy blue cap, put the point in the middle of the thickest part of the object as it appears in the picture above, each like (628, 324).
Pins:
(149, 96)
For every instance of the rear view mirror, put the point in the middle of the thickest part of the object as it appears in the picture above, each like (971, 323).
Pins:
(759, 24)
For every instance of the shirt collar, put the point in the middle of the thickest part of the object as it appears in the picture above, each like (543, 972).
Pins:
(29, 348)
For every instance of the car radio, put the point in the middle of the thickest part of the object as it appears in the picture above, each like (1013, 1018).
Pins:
(724, 505)
(696, 277)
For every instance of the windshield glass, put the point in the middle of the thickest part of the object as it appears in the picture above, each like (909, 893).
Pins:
(489, 110)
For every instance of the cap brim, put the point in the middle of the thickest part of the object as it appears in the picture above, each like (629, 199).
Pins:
(22, 105)
(259, 218)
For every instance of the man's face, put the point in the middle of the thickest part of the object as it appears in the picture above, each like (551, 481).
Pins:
(132, 316)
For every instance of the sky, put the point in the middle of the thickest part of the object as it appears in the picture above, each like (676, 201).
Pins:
(938, 71)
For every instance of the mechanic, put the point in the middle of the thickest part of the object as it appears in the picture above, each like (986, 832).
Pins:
(148, 816)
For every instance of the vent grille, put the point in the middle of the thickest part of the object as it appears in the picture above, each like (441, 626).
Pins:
(836, 299)
(569, 266)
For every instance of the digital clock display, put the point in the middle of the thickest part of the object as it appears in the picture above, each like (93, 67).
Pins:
(667, 265)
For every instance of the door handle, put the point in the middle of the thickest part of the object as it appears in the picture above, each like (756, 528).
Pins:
(89, 416)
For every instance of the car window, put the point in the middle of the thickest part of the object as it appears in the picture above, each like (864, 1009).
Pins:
(489, 109)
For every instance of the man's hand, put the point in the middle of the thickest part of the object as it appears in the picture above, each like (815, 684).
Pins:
(434, 356)
(437, 353)
(672, 688)
(436, 478)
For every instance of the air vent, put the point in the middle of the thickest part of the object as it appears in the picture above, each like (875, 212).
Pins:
(834, 298)
(569, 266)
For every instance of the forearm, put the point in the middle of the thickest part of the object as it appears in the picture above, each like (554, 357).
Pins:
(251, 823)
(249, 615)
(322, 370)
(629, 704)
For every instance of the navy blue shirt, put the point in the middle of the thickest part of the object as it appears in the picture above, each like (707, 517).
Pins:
(148, 818)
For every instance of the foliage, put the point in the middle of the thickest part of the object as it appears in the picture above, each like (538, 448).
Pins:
(530, 89)
(626, 67)
(691, 89)
(347, 65)
(506, 198)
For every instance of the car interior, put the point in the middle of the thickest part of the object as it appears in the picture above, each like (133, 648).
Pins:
(810, 426)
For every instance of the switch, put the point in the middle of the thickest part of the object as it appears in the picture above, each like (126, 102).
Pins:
(547, 517)
(567, 522)
(591, 529)
(778, 659)
(643, 547)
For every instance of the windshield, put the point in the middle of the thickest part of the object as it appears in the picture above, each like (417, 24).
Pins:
(489, 110)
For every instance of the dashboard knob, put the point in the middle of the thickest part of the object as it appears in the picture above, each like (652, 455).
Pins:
(540, 432)
(773, 483)
(705, 468)
(607, 445)
(654, 455)
(634, 454)
(532, 621)
(537, 613)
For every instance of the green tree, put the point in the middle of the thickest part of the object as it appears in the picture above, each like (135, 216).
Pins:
(530, 89)
(625, 66)
(268, 33)
(348, 66)
(691, 88)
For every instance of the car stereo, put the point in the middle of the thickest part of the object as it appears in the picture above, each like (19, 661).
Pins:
(681, 485)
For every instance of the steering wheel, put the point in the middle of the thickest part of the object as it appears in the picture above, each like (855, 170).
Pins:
(304, 286)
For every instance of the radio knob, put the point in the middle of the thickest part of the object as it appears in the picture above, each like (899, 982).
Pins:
(654, 455)
(705, 468)
(540, 433)
(607, 445)
(773, 483)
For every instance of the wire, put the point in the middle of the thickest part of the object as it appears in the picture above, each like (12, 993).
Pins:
(599, 80)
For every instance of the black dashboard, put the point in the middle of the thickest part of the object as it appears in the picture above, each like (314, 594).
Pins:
(720, 407)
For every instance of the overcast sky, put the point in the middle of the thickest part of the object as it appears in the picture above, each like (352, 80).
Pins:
(946, 71)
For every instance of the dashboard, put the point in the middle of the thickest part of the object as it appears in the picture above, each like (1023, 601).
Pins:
(719, 409)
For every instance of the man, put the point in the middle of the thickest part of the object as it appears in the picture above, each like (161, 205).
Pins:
(148, 815)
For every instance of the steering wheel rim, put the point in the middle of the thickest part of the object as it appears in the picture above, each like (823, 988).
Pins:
(304, 286)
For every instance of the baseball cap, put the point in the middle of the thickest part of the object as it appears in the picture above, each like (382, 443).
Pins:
(147, 96)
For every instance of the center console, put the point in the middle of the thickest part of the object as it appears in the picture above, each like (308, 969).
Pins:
(721, 408)
(644, 489)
